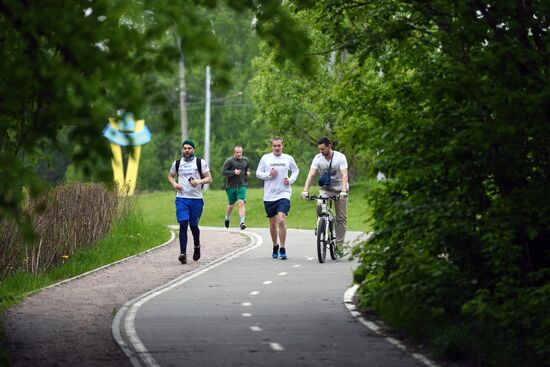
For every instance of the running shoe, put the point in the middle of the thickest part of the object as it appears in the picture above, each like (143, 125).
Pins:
(275, 253)
(243, 226)
(282, 253)
(226, 223)
(183, 258)
(196, 253)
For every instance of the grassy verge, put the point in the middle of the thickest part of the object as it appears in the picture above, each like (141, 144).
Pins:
(147, 228)
(131, 236)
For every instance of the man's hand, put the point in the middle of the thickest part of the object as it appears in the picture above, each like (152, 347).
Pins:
(273, 172)
(237, 171)
(304, 195)
(344, 194)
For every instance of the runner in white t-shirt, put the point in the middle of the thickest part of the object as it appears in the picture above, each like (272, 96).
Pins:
(338, 184)
(273, 170)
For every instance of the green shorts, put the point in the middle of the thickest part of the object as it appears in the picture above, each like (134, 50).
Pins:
(234, 194)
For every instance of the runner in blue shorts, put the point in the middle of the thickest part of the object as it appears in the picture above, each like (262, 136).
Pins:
(189, 202)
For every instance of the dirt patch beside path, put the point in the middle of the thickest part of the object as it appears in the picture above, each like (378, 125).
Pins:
(70, 324)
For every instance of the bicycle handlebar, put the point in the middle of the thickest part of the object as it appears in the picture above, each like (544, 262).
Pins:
(315, 197)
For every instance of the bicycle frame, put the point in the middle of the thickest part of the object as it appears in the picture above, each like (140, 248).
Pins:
(324, 229)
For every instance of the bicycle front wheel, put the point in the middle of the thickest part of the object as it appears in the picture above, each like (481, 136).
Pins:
(321, 239)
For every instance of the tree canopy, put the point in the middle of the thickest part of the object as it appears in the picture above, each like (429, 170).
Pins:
(66, 68)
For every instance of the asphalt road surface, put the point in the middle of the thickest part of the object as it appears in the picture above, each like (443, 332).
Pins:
(251, 310)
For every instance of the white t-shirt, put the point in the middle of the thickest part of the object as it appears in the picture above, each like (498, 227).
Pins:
(187, 170)
(274, 187)
(339, 162)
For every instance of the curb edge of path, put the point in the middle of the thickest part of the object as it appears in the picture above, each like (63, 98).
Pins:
(172, 237)
(350, 305)
(122, 325)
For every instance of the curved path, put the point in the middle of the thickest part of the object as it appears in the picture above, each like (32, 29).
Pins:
(252, 310)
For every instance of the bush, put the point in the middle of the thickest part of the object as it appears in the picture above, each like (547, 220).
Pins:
(64, 219)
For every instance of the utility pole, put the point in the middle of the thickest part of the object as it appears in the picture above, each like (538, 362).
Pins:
(207, 120)
(183, 93)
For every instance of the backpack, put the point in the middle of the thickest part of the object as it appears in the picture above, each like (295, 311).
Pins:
(199, 167)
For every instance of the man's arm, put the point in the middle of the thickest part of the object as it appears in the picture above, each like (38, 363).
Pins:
(344, 172)
(206, 178)
(261, 171)
(295, 171)
(312, 172)
(172, 180)
(226, 169)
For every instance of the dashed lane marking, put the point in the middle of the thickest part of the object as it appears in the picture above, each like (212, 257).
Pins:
(276, 347)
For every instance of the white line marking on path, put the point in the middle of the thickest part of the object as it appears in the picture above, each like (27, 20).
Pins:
(296, 266)
(254, 293)
(246, 304)
(348, 301)
(283, 273)
(255, 328)
(276, 347)
(246, 314)
(268, 282)
(125, 317)
(309, 258)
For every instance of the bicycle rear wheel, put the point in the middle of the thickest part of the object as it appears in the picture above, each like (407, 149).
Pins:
(332, 241)
(321, 239)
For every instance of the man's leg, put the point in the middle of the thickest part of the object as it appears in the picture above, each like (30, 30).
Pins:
(273, 229)
(228, 212)
(341, 220)
(195, 215)
(281, 220)
(182, 214)
(242, 211)
(183, 241)
(197, 242)
(231, 199)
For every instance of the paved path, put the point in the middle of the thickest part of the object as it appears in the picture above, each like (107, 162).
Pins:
(69, 324)
(251, 310)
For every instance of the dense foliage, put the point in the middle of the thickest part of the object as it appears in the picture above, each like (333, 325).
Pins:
(67, 67)
(448, 99)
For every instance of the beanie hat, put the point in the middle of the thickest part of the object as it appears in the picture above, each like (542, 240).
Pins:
(188, 142)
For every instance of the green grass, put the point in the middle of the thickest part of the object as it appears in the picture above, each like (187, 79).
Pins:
(159, 208)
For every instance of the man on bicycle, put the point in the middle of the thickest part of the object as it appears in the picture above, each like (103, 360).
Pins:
(333, 170)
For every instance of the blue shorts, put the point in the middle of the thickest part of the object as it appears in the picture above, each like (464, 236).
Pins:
(189, 209)
(277, 206)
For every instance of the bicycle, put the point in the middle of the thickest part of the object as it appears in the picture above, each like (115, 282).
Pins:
(325, 228)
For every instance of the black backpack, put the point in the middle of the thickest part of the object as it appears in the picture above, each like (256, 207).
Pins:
(199, 168)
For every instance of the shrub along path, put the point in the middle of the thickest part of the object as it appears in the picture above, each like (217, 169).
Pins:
(69, 324)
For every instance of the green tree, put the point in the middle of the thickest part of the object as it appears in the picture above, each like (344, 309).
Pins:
(95, 58)
(447, 99)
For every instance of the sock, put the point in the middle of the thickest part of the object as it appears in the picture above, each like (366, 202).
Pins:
(227, 217)
(242, 219)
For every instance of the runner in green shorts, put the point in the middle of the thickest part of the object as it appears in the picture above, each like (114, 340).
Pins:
(236, 171)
